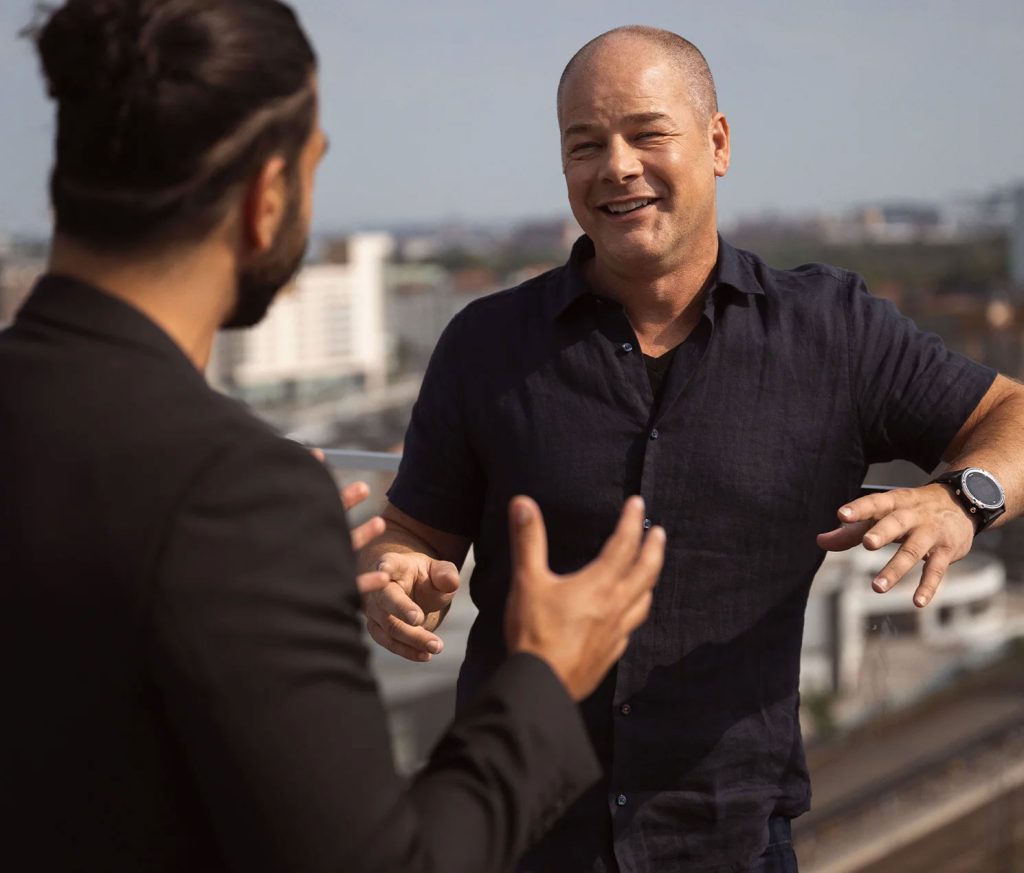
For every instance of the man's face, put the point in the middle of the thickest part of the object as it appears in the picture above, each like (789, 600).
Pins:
(639, 163)
(262, 278)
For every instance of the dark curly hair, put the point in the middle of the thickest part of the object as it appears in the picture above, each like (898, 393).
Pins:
(166, 106)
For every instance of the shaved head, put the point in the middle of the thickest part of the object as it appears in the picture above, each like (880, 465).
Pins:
(681, 53)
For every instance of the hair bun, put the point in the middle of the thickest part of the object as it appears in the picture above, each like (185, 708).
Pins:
(91, 47)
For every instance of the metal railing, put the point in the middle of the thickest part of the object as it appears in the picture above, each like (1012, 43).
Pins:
(350, 459)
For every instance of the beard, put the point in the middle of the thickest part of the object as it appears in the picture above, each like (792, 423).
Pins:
(260, 281)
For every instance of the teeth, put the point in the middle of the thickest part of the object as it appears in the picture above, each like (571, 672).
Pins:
(619, 208)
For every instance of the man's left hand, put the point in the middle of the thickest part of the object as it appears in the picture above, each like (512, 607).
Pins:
(927, 523)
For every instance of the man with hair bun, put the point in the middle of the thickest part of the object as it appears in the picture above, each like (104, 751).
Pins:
(745, 404)
(184, 679)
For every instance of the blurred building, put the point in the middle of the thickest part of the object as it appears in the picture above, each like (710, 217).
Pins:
(323, 337)
(1017, 244)
(546, 237)
(421, 299)
(844, 612)
(20, 266)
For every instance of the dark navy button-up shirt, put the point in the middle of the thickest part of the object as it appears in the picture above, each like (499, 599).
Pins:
(792, 384)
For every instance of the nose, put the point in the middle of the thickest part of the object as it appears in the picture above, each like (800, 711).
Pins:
(622, 163)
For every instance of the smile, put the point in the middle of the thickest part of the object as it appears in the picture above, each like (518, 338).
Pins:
(626, 206)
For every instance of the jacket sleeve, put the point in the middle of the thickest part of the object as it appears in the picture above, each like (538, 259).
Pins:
(258, 654)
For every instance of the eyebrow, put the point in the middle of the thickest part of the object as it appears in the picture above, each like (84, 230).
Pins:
(636, 118)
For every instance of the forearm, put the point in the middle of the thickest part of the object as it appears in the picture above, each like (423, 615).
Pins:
(995, 442)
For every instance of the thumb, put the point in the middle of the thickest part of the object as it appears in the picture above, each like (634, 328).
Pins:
(528, 540)
(444, 577)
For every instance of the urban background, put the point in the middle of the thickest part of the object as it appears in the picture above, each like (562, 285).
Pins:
(914, 718)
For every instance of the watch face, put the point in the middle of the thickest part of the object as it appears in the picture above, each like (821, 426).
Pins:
(983, 489)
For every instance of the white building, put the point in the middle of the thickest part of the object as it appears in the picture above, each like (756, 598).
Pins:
(323, 335)
(968, 613)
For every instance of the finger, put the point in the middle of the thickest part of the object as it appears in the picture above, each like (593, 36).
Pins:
(844, 537)
(637, 612)
(620, 549)
(318, 454)
(439, 588)
(651, 558)
(444, 577)
(414, 637)
(354, 494)
(367, 532)
(372, 581)
(392, 601)
(643, 575)
(890, 529)
(935, 567)
(909, 553)
(528, 538)
(385, 641)
(872, 506)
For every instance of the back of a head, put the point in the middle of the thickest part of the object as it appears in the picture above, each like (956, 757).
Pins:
(166, 106)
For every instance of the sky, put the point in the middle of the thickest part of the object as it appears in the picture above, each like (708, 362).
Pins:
(444, 111)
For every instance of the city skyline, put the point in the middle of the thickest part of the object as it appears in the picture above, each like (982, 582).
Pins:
(447, 113)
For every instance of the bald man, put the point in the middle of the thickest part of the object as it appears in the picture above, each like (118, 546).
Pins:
(745, 404)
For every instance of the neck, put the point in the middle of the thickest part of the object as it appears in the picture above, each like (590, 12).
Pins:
(187, 291)
(663, 302)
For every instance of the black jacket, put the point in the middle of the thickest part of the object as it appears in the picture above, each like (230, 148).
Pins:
(184, 681)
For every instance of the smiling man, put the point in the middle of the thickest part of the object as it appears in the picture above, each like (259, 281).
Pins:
(745, 403)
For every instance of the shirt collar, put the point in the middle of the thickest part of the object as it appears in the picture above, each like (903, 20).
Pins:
(732, 270)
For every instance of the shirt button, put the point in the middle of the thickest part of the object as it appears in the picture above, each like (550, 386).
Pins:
(627, 347)
(654, 434)
(647, 524)
(625, 709)
(621, 800)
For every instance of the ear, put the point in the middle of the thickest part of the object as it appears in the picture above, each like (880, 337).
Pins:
(718, 136)
(265, 203)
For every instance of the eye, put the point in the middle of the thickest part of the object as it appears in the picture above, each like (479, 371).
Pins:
(582, 148)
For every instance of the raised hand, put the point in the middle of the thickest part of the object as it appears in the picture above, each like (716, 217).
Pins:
(580, 622)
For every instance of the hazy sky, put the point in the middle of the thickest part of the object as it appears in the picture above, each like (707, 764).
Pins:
(445, 110)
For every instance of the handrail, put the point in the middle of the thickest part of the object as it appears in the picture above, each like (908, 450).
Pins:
(351, 459)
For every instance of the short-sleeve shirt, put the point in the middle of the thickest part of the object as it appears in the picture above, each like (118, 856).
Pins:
(799, 379)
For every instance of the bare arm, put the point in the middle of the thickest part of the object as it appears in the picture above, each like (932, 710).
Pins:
(927, 522)
(422, 564)
(993, 438)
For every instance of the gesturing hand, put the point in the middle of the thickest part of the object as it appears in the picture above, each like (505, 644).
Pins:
(927, 523)
(401, 615)
(580, 623)
(353, 495)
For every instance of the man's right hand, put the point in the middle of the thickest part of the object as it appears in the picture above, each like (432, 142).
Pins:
(401, 615)
(580, 623)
